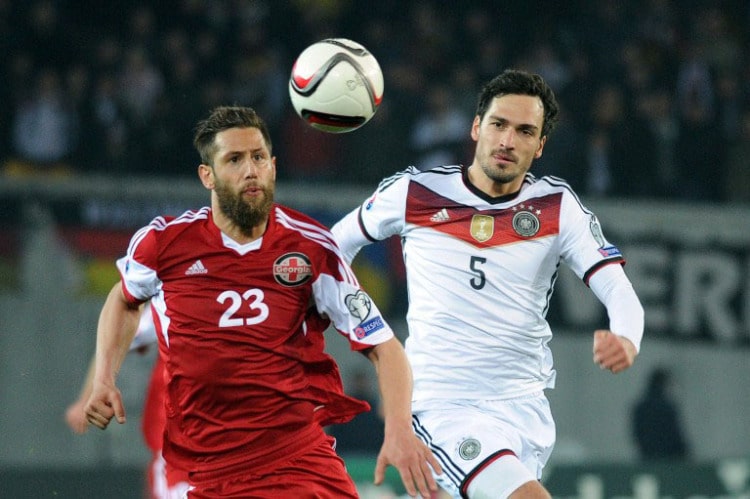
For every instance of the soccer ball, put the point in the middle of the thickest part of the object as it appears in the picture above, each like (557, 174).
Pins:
(336, 85)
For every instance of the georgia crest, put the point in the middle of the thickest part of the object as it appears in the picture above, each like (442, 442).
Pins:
(292, 269)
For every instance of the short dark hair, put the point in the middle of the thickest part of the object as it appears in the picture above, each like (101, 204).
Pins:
(518, 82)
(223, 118)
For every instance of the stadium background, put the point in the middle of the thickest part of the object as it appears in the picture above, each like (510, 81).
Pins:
(97, 102)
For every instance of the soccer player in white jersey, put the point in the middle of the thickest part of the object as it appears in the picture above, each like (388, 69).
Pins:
(482, 247)
(243, 291)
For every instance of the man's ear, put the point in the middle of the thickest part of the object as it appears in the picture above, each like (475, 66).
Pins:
(538, 153)
(475, 128)
(206, 174)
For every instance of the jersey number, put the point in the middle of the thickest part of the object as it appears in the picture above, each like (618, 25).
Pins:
(478, 281)
(254, 300)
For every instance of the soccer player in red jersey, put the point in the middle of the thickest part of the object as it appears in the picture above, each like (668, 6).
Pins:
(242, 291)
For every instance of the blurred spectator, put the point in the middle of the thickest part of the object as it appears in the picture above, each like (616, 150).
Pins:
(737, 180)
(700, 145)
(141, 84)
(258, 81)
(167, 62)
(106, 130)
(657, 423)
(657, 109)
(719, 40)
(729, 105)
(564, 156)
(439, 135)
(46, 35)
(307, 154)
(142, 28)
(619, 152)
(605, 29)
(44, 127)
(376, 150)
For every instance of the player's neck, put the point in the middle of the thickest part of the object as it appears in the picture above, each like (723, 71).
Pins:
(476, 177)
(235, 232)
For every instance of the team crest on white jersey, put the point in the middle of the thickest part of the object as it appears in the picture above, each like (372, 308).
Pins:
(526, 222)
(469, 449)
(482, 227)
(292, 269)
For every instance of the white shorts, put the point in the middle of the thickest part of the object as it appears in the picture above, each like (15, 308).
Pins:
(467, 435)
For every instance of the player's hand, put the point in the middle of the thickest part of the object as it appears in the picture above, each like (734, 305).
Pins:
(413, 460)
(75, 417)
(613, 352)
(104, 404)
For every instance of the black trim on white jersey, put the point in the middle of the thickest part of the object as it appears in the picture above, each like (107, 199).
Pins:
(388, 181)
(558, 182)
(362, 227)
(551, 290)
(414, 171)
(484, 196)
(450, 469)
(590, 272)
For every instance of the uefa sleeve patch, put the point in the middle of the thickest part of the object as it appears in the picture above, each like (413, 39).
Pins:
(367, 328)
(610, 251)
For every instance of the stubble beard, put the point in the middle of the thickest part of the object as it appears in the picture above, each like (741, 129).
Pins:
(498, 175)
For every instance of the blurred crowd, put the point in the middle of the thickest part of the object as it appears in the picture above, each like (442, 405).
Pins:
(655, 94)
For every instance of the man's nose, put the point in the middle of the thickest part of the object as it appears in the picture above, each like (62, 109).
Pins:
(507, 138)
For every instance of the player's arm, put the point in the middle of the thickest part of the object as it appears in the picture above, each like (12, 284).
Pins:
(615, 348)
(376, 219)
(401, 447)
(75, 417)
(349, 236)
(118, 322)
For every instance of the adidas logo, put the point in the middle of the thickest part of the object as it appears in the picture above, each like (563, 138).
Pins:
(196, 268)
(440, 216)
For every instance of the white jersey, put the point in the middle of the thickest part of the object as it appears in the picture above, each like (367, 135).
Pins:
(480, 273)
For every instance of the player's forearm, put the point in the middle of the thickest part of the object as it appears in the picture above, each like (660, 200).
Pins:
(615, 291)
(118, 322)
(85, 392)
(395, 382)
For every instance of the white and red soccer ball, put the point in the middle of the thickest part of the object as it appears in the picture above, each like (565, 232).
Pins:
(336, 85)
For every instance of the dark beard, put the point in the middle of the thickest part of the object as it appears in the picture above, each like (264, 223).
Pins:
(244, 215)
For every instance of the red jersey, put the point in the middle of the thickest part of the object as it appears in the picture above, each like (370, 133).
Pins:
(153, 408)
(241, 327)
